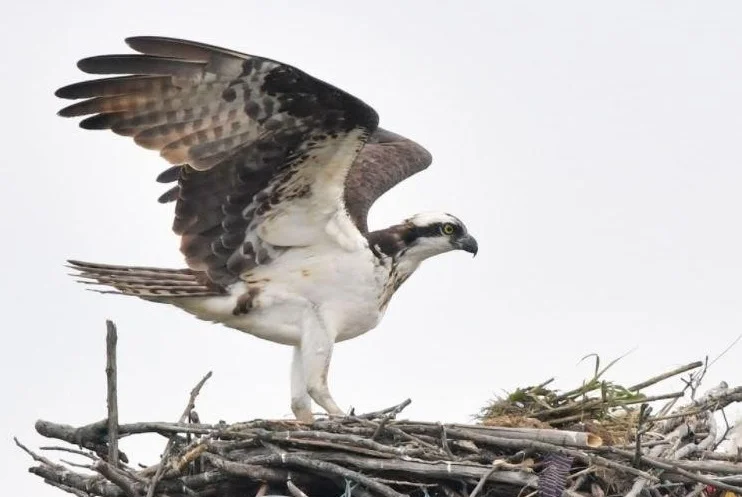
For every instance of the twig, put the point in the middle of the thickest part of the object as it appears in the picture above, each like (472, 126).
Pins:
(640, 424)
(294, 490)
(71, 490)
(380, 428)
(112, 398)
(262, 490)
(675, 466)
(727, 349)
(90, 436)
(541, 446)
(171, 442)
(70, 450)
(397, 431)
(391, 412)
(36, 457)
(192, 399)
(313, 464)
(482, 481)
(728, 428)
(444, 443)
(669, 374)
(110, 472)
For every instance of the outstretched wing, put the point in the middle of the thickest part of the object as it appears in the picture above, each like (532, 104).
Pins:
(385, 160)
(260, 149)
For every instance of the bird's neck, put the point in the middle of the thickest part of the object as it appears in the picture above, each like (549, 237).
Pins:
(390, 242)
(392, 246)
(401, 244)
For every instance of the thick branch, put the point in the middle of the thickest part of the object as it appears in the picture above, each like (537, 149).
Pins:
(112, 398)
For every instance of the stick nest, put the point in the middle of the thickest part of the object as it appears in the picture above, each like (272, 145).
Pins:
(598, 439)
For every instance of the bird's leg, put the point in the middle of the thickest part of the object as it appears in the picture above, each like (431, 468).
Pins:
(301, 403)
(316, 352)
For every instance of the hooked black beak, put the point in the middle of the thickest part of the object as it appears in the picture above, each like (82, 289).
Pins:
(468, 243)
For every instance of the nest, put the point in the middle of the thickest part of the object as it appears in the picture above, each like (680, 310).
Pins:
(598, 439)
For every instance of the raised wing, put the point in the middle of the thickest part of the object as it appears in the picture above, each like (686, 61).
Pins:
(261, 150)
(385, 160)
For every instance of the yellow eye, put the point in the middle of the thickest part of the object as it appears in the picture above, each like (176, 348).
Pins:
(447, 229)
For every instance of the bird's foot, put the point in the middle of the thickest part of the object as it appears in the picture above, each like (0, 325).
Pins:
(304, 416)
(301, 406)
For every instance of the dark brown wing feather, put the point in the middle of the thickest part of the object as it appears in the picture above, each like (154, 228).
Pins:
(247, 136)
(384, 161)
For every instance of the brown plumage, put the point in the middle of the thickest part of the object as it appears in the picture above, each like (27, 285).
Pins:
(385, 160)
(146, 281)
(241, 132)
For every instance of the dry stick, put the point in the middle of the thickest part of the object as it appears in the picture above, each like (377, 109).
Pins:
(481, 482)
(547, 447)
(110, 472)
(91, 485)
(421, 469)
(248, 469)
(294, 490)
(727, 349)
(71, 451)
(169, 447)
(399, 432)
(307, 444)
(36, 457)
(557, 437)
(89, 436)
(693, 383)
(444, 442)
(390, 411)
(380, 429)
(669, 374)
(112, 398)
(639, 433)
(95, 484)
(340, 438)
(675, 467)
(599, 403)
(262, 490)
(71, 490)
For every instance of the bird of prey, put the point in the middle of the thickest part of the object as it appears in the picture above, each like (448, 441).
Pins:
(274, 173)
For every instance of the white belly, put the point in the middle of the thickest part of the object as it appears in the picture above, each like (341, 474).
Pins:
(343, 287)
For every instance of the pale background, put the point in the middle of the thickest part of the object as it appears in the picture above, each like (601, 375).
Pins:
(592, 147)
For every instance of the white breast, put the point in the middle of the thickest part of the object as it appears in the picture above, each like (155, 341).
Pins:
(343, 286)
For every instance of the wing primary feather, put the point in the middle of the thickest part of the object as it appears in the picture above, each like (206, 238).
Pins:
(169, 196)
(140, 64)
(117, 85)
(102, 121)
(174, 47)
(169, 175)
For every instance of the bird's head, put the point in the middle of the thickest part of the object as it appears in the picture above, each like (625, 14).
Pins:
(420, 237)
(432, 233)
(423, 236)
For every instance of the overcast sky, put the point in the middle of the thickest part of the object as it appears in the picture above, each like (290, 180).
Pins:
(593, 148)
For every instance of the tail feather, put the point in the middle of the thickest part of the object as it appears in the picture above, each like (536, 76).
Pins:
(146, 282)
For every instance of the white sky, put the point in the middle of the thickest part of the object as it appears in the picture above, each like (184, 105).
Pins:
(592, 147)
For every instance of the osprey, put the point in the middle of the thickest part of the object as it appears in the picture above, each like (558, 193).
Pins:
(275, 172)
